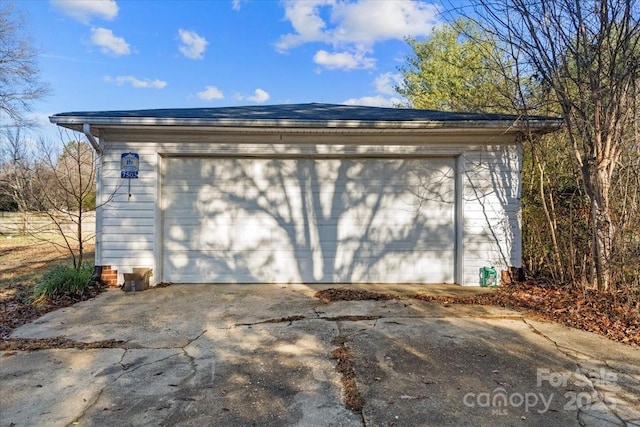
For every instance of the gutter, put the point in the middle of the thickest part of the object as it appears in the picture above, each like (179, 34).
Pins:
(73, 121)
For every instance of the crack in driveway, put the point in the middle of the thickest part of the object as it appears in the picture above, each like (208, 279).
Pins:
(602, 396)
(293, 366)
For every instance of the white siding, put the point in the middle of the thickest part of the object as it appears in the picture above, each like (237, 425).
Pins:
(490, 187)
(127, 228)
(491, 210)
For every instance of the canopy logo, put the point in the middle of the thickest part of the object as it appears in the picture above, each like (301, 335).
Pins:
(598, 387)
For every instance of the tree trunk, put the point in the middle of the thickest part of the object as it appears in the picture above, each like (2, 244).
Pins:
(557, 269)
(597, 184)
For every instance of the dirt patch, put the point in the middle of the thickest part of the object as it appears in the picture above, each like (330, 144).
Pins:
(351, 318)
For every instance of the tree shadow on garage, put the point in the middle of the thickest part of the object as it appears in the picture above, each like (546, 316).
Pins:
(492, 191)
(317, 218)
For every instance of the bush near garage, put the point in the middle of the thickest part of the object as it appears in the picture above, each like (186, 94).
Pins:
(64, 281)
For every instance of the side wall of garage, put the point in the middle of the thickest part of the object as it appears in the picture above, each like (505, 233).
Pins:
(488, 231)
(491, 209)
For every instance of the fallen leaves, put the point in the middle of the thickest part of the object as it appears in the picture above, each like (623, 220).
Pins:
(16, 307)
(346, 294)
(615, 315)
(345, 367)
(30, 344)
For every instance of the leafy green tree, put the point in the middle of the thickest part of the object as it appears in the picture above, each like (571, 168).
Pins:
(458, 68)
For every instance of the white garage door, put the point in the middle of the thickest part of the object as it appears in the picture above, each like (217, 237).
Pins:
(308, 221)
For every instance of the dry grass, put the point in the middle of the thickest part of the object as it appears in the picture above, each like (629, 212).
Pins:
(24, 257)
(24, 260)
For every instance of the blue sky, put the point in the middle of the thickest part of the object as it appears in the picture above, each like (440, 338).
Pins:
(135, 54)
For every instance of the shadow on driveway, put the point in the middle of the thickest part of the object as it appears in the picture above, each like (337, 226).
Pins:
(238, 355)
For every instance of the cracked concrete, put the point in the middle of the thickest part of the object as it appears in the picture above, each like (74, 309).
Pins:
(239, 355)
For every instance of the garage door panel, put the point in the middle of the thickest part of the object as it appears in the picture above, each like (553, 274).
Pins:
(224, 267)
(293, 220)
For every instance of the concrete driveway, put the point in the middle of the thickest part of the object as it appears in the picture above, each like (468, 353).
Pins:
(242, 355)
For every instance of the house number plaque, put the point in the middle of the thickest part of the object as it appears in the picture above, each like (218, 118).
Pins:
(129, 163)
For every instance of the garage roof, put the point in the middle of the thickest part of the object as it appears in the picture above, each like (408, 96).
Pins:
(312, 115)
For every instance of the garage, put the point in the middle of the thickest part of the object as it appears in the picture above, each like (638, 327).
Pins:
(300, 220)
(306, 193)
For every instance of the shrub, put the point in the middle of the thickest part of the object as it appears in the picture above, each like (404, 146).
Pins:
(64, 281)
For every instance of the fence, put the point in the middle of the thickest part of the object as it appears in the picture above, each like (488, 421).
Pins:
(36, 222)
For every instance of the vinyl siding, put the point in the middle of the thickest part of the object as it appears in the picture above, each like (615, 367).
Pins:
(490, 187)
(491, 206)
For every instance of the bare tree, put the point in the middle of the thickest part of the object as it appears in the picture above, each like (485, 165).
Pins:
(14, 176)
(20, 83)
(56, 181)
(68, 181)
(587, 55)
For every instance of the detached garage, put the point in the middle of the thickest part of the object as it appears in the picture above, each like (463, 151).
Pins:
(308, 193)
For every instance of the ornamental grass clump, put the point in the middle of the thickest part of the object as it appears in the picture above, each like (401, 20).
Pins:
(64, 281)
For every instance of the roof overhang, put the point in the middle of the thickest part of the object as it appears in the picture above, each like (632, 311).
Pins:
(418, 121)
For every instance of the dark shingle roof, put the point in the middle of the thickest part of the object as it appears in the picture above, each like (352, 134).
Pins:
(303, 112)
(311, 115)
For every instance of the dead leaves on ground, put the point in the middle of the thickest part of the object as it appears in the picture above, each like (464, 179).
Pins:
(615, 315)
(345, 367)
(16, 307)
(347, 294)
(29, 344)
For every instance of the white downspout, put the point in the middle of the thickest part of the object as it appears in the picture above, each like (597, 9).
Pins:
(86, 129)
(459, 220)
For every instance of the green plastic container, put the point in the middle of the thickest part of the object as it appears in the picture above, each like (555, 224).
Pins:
(488, 277)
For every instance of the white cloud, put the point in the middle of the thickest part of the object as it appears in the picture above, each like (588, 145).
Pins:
(84, 10)
(343, 60)
(136, 82)
(235, 4)
(359, 22)
(385, 86)
(259, 96)
(305, 18)
(193, 45)
(210, 93)
(109, 42)
(371, 21)
(386, 83)
(40, 119)
(374, 101)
